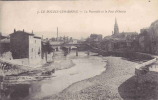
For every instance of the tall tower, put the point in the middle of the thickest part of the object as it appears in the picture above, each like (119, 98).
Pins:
(57, 35)
(57, 32)
(116, 29)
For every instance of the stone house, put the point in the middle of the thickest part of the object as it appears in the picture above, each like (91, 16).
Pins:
(25, 45)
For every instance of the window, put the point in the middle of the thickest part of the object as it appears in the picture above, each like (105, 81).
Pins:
(39, 51)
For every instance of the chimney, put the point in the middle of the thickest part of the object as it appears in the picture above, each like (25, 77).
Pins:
(14, 30)
(23, 30)
(57, 32)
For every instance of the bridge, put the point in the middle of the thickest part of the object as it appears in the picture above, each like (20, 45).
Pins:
(65, 46)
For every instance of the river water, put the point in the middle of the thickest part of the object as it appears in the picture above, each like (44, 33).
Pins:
(85, 67)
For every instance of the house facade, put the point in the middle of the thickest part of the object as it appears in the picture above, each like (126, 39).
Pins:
(25, 45)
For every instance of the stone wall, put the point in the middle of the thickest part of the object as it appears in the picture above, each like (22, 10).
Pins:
(8, 68)
(144, 74)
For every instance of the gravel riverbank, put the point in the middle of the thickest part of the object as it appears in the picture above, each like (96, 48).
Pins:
(107, 86)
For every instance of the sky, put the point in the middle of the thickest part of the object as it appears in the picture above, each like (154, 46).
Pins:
(23, 15)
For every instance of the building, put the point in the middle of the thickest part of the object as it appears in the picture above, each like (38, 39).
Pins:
(95, 37)
(144, 41)
(107, 44)
(5, 47)
(73, 41)
(148, 39)
(121, 41)
(25, 46)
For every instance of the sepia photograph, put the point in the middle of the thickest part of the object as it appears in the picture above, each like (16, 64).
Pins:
(78, 50)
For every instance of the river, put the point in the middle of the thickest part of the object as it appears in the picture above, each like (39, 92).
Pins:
(85, 67)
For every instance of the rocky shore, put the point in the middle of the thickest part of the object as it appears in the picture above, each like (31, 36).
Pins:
(110, 85)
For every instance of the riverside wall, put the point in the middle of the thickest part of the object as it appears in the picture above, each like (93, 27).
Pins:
(8, 68)
(143, 72)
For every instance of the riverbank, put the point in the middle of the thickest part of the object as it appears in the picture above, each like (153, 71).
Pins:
(105, 86)
(85, 66)
(59, 62)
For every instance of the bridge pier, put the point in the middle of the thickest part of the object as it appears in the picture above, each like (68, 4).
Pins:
(53, 53)
(46, 56)
(69, 49)
(88, 52)
(57, 49)
(76, 51)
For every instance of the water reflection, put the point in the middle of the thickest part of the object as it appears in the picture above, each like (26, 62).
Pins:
(18, 91)
(14, 92)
